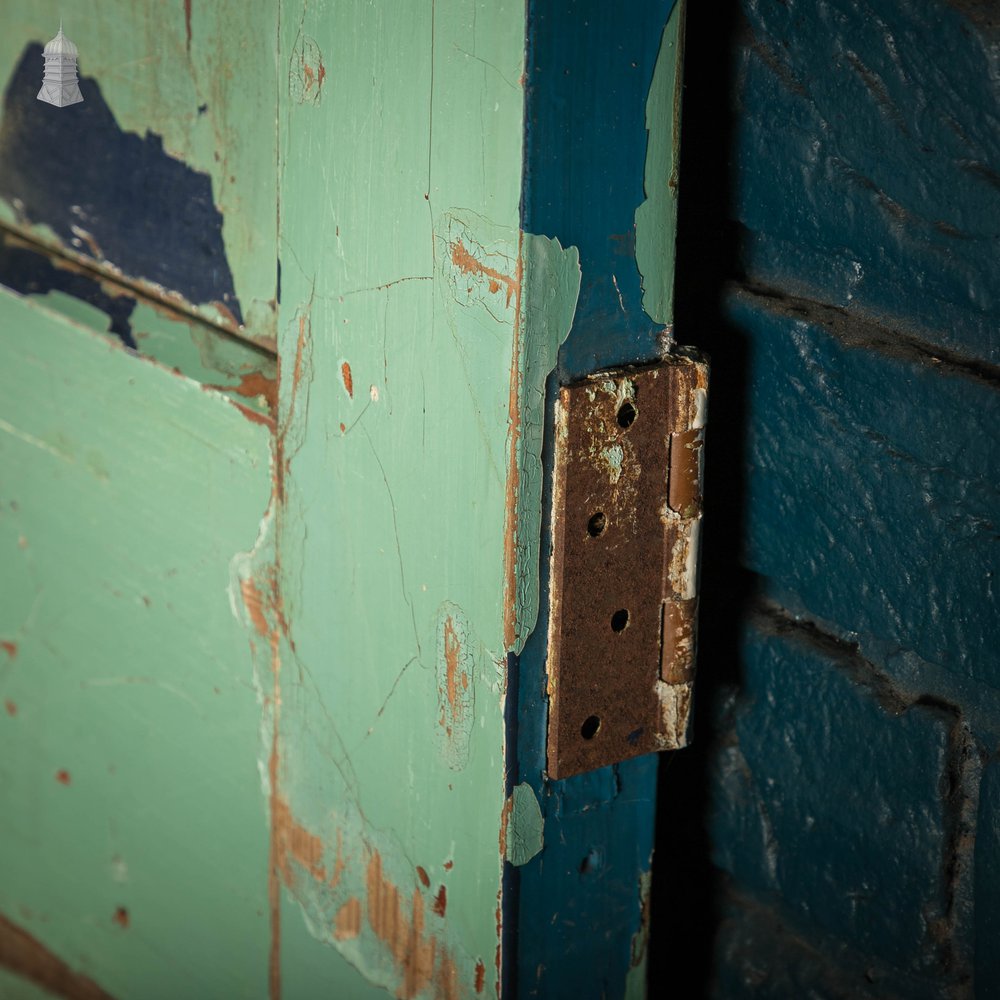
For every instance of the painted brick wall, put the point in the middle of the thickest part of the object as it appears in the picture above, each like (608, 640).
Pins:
(836, 832)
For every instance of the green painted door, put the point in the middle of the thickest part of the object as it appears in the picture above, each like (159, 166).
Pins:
(276, 339)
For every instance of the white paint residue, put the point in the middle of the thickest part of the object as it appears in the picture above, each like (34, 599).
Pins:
(700, 409)
(119, 869)
(691, 559)
(675, 709)
(241, 568)
(621, 301)
(33, 441)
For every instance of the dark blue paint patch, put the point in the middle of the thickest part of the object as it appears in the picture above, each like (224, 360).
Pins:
(589, 69)
(147, 213)
(29, 272)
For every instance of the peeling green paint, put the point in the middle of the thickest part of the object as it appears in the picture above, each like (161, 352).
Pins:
(656, 217)
(635, 981)
(552, 287)
(130, 719)
(381, 548)
(526, 827)
(457, 663)
(403, 513)
(204, 354)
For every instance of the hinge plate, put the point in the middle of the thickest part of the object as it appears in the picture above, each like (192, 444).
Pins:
(623, 597)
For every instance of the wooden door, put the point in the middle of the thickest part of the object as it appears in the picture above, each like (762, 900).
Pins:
(287, 295)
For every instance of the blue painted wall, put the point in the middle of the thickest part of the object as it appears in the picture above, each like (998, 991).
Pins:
(840, 222)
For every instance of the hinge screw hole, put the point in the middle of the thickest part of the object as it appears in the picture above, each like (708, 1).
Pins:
(597, 524)
(619, 620)
(590, 727)
(626, 414)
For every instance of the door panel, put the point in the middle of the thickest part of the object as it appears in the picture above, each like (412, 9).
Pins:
(276, 712)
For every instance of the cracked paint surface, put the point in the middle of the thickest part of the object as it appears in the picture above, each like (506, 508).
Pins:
(394, 569)
(525, 826)
(656, 217)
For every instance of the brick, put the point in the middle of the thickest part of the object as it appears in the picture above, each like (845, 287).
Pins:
(987, 885)
(836, 796)
(871, 492)
(868, 159)
(761, 955)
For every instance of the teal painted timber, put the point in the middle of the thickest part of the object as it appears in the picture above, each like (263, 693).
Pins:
(262, 670)
(417, 326)
(132, 819)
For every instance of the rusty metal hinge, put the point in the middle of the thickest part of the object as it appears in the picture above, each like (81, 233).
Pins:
(625, 529)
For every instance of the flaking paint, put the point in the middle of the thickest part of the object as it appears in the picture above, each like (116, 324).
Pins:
(397, 634)
(656, 217)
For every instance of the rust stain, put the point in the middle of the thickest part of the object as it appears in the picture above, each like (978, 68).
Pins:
(446, 979)
(448, 865)
(227, 314)
(499, 954)
(295, 842)
(480, 975)
(496, 280)
(62, 776)
(282, 460)
(274, 868)
(10, 648)
(339, 863)
(423, 876)
(347, 923)
(402, 933)
(253, 601)
(441, 902)
(121, 917)
(187, 23)
(274, 885)
(288, 839)
(452, 649)
(257, 384)
(345, 374)
(285, 839)
(30, 959)
(505, 813)
(252, 415)
(513, 471)
(10, 707)
(306, 71)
